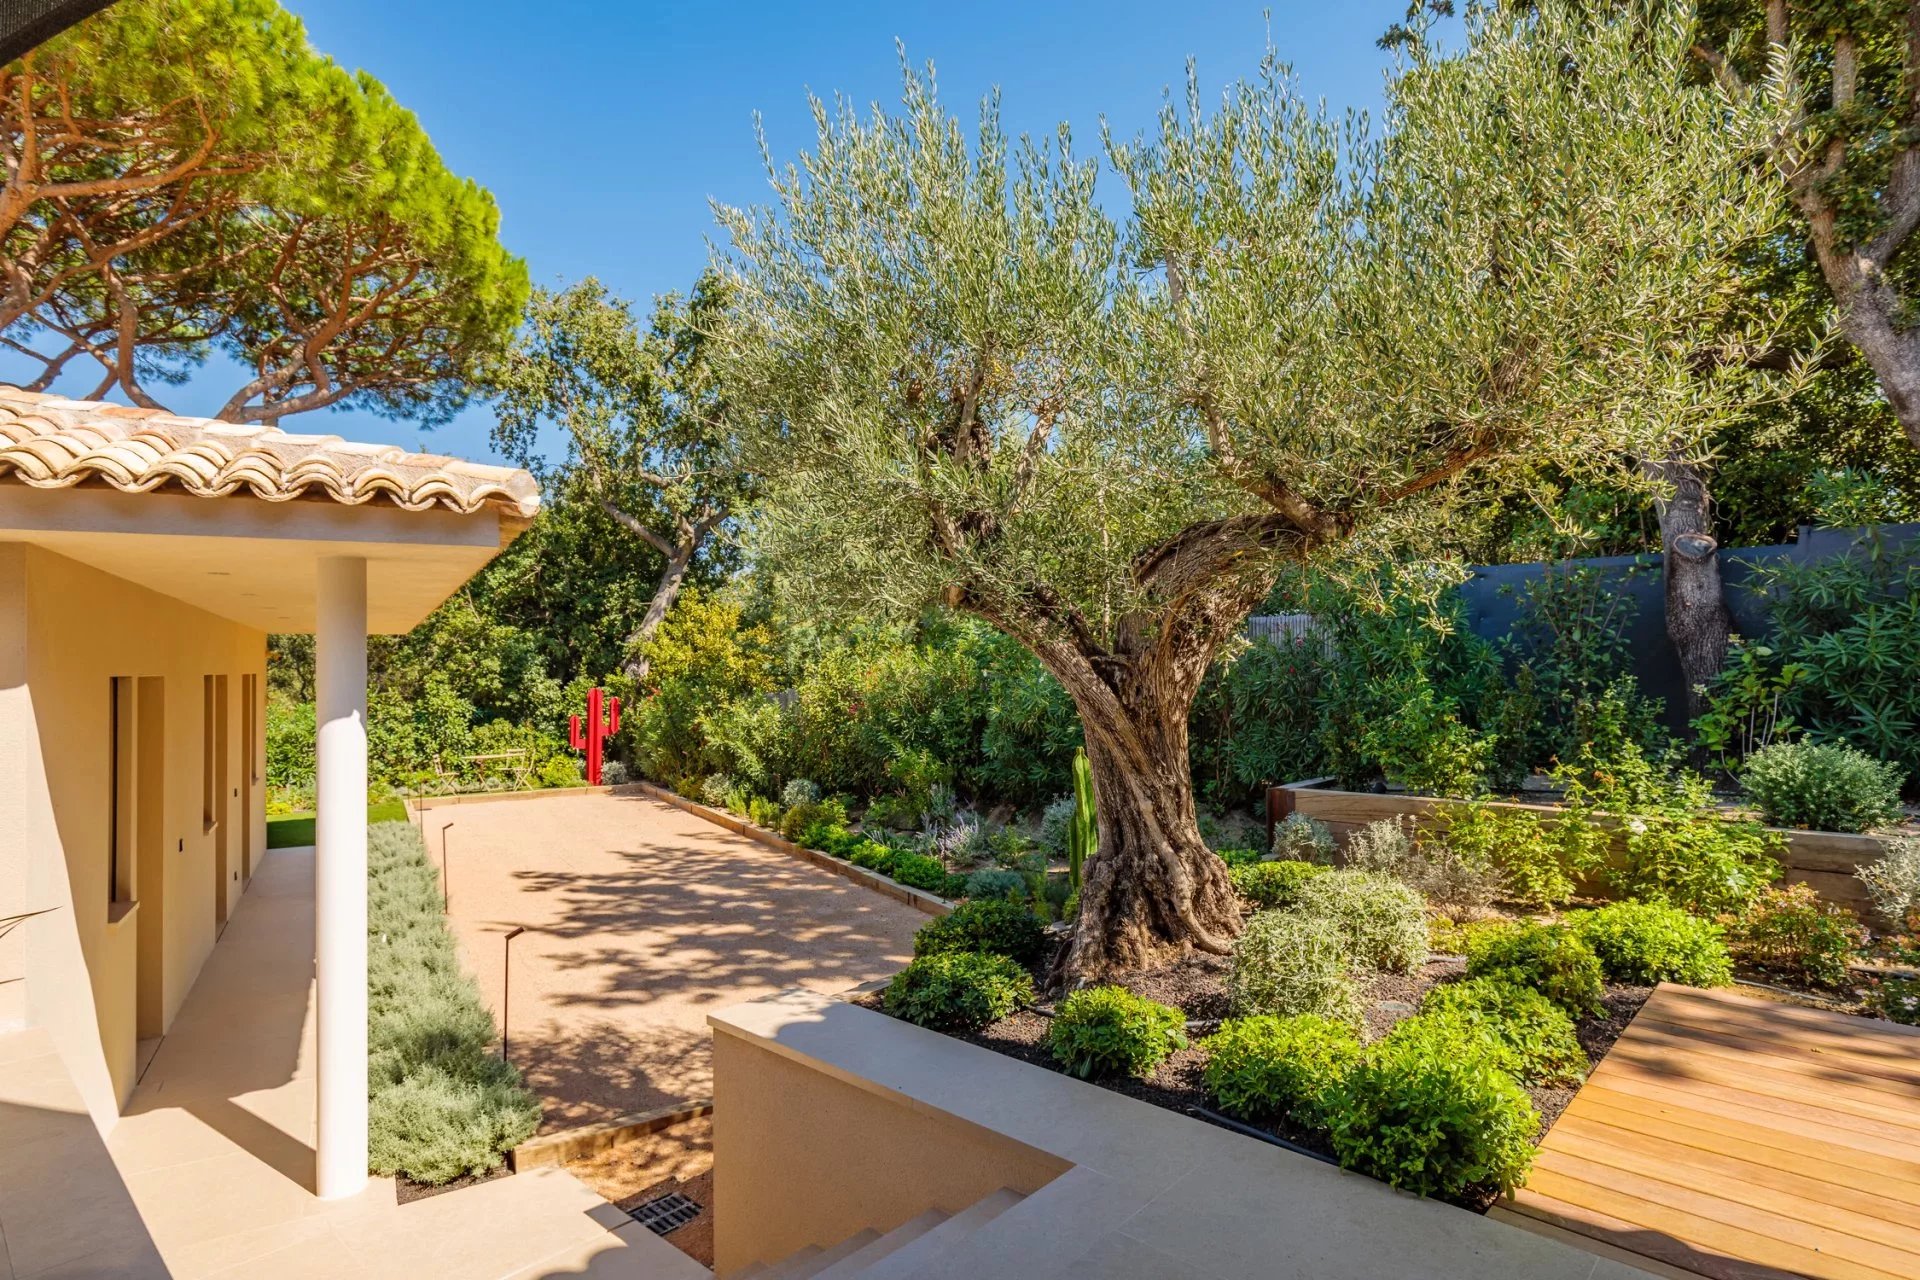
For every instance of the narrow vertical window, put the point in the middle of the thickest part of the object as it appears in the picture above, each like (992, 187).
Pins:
(121, 792)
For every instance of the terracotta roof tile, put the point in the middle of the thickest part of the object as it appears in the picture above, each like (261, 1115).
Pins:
(51, 442)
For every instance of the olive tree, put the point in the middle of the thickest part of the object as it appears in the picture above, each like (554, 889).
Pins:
(1103, 425)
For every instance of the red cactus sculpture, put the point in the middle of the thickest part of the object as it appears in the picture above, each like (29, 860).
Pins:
(592, 736)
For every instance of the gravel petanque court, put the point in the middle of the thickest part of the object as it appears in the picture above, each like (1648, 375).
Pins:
(640, 920)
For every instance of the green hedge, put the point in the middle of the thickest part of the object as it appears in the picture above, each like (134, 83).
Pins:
(442, 1102)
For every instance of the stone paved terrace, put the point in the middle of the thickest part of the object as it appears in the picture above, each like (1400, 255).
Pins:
(215, 1150)
(641, 920)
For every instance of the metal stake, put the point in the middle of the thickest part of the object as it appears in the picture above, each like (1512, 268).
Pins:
(446, 885)
(506, 977)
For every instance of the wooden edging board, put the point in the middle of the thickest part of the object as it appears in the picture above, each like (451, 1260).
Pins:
(571, 1144)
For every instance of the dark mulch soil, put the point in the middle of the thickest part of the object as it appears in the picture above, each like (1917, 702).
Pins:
(406, 1190)
(1196, 984)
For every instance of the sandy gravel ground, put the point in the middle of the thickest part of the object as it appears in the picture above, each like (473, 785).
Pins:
(641, 919)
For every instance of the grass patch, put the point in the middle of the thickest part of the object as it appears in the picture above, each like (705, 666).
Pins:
(442, 1103)
(295, 830)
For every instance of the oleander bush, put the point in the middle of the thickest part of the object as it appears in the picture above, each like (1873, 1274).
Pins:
(1649, 942)
(1789, 929)
(1263, 1068)
(1385, 921)
(1825, 786)
(1109, 1031)
(957, 990)
(1428, 1109)
(1287, 963)
(1298, 838)
(1533, 1038)
(1272, 884)
(1549, 958)
(992, 926)
(442, 1103)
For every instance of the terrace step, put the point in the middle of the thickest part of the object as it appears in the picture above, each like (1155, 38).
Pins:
(856, 1263)
(904, 1262)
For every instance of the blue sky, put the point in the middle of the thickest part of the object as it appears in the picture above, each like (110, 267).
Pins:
(603, 129)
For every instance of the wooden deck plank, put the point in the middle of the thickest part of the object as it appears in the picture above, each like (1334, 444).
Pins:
(1682, 1142)
(1750, 1046)
(1740, 1138)
(1811, 1205)
(1674, 1058)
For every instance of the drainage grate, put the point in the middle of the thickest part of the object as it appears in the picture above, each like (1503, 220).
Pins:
(664, 1214)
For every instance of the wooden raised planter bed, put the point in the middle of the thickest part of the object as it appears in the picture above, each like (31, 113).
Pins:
(1826, 860)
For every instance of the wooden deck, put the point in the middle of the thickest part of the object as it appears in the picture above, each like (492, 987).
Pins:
(1743, 1139)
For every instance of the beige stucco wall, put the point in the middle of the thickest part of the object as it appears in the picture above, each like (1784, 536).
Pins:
(66, 630)
(801, 1157)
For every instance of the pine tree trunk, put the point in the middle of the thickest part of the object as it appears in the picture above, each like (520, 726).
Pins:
(1698, 623)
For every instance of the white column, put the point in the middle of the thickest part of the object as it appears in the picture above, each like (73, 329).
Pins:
(340, 876)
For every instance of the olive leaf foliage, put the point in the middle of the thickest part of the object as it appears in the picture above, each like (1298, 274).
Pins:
(973, 372)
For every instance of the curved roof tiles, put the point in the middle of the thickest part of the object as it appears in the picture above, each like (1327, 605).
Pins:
(51, 442)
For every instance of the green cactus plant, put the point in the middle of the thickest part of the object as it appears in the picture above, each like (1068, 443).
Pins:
(1083, 835)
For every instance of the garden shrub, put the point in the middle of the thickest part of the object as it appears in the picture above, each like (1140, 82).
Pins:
(715, 790)
(1287, 963)
(1429, 1110)
(920, 871)
(1789, 929)
(1535, 864)
(957, 990)
(1384, 921)
(993, 926)
(812, 817)
(1896, 1000)
(1451, 878)
(1828, 787)
(763, 812)
(994, 882)
(1533, 1037)
(1109, 1031)
(562, 772)
(1422, 744)
(873, 856)
(1239, 857)
(897, 813)
(1265, 1068)
(441, 1103)
(613, 774)
(1893, 883)
(798, 792)
(1649, 942)
(1298, 838)
(1546, 957)
(1272, 884)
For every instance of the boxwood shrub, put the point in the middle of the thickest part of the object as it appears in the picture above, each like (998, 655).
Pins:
(920, 871)
(1272, 884)
(995, 926)
(1649, 942)
(1428, 1109)
(1384, 921)
(1532, 1037)
(1286, 963)
(1109, 1031)
(958, 991)
(1550, 958)
(1265, 1068)
(442, 1103)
